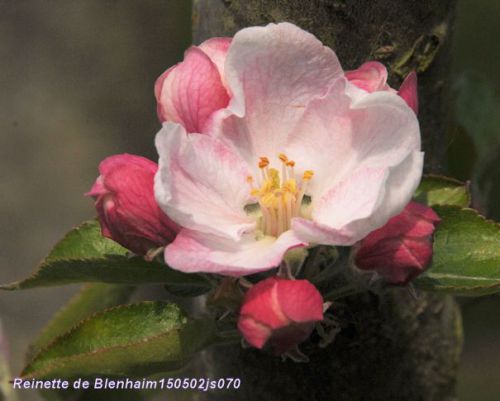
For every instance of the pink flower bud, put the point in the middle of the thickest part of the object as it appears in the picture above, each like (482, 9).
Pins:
(280, 312)
(402, 248)
(126, 205)
(191, 91)
(372, 77)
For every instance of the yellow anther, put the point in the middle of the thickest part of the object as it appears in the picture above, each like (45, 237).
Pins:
(308, 174)
(290, 163)
(249, 179)
(283, 157)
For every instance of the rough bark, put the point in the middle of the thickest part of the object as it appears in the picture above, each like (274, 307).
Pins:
(395, 348)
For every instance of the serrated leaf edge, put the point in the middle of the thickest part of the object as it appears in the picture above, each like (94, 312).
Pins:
(91, 317)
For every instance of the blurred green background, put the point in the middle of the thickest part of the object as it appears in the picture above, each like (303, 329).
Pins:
(76, 81)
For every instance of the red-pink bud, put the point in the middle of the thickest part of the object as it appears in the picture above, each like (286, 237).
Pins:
(280, 312)
(126, 205)
(402, 248)
(372, 77)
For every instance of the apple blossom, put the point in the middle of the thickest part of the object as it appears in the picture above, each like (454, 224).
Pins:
(125, 204)
(281, 313)
(300, 156)
(402, 248)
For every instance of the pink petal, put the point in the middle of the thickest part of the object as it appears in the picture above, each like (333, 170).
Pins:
(353, 199)
(384, 130)
(263, 305)
(371, 76)
(377, 131)
(423, 211)
(401, 184)
(216, 49)
(321, 140)
(125, 203)
(117, 161)
(300, 301)
(415, 220)
(191, 91)
(273, 72)
(361, 203)
(201, 183)
(255, 333)
(398, 260)
(409, 92)
(197, 252)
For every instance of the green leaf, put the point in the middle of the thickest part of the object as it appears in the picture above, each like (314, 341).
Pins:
(84, 256)
(466, 259)
(91, 299)
(129, 340)
(436, 190)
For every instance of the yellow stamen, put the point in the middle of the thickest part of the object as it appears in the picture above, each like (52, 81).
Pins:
(279, 195)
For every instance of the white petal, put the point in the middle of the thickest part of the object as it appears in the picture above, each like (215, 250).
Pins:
(400, 186)
(337, 135)
(356, 197)
(361, 203)
(273, 72)
(201, 183)
(197, 252)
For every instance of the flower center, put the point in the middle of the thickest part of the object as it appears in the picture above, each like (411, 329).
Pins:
(280, 196)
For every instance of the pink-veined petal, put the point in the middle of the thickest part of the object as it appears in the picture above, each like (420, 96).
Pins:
(193, 251)
(273, 72)
(216, 49)
(191, 91)
(201, 183)
(371, 76)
